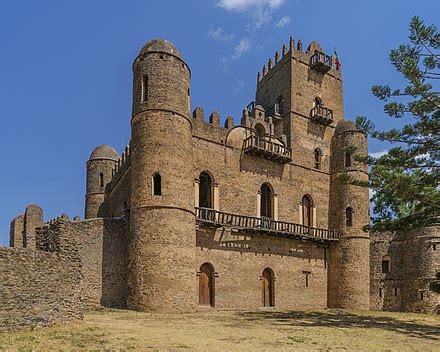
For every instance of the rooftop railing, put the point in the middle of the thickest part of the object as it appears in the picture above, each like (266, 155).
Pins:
(266, 148)
(321, 115)
(321, 61)
(264, 225)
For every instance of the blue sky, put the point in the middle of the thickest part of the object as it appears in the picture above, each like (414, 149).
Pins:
(65, 73)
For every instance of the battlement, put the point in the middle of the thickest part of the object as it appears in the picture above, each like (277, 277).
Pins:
(314, 57)
(121, 166)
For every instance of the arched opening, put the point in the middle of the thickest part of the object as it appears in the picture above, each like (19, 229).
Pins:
(347, 159)
(157, 184)
(317, 156)
(317, 102)
(268, 288)
(280, 103)
(101, 180)
(260, 131)
(307, 211)
(348, 216)
(144, 97)
(206, 285)
(205, 191)
(266, 201)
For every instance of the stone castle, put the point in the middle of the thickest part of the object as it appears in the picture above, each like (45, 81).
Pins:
(195, 215)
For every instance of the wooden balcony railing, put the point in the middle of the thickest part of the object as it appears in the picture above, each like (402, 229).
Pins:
(268, 149)
(321, 61)
(321, 115)
(267, 226)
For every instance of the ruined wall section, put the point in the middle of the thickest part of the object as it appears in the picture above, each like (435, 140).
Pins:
(41, 287)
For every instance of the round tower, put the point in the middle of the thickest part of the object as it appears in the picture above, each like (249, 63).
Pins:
(162, 219)
(349, 260)
(99, 172)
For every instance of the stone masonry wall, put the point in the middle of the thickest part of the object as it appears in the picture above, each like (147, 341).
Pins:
(41, 288)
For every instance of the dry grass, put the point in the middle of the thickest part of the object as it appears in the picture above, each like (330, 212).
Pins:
(226, 331)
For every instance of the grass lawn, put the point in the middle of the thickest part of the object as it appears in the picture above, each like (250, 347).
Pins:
(231, 330)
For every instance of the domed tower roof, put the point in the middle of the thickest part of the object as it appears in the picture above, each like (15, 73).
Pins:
(161, 45)
(345, 126)
(104, 152)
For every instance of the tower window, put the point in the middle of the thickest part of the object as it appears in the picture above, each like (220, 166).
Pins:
(347, 159)
(380, 291)
(101, 180)
(280, 103)
(349, 216)
(266, 201)
(157, 184)
(307, 273)
(396, 291)
(385, 265)
(317, 154)
(421, 295)
(307, 211)
(205, 191)
(145, 88)
(434, 246)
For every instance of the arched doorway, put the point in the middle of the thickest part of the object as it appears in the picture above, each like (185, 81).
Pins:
(268, 289)
(307, 211)
(206, 285)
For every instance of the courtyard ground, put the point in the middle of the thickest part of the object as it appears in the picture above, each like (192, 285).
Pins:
(240, 331)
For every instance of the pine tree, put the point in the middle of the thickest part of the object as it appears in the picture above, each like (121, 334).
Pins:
(405, 181)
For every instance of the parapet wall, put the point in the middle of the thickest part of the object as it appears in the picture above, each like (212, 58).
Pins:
(41, 287)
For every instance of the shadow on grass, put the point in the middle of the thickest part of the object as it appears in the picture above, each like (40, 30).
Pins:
(342, 319)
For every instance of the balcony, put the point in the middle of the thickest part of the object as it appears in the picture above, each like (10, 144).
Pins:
(262, 147)
(321, 115)
(264, 226)
(321, 61)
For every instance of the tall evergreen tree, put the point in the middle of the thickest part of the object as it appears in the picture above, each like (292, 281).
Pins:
(405, 181)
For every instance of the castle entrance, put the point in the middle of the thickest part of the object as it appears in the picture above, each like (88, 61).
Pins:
(268, 292)
(206, 285)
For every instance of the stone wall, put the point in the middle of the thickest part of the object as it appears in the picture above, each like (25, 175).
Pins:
(103, 253)
(41, 287)
(238, 261)
(414, 260)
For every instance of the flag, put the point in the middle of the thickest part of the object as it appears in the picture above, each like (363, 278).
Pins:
(337, 62)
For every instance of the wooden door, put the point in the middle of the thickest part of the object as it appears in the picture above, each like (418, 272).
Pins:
(206, 287)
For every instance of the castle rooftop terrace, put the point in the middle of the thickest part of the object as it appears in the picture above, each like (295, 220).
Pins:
(265, 226)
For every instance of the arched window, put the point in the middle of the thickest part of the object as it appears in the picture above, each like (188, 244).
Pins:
(386, 261)
(280, 102)
(266, 201)
(307, 211)
(260, 130)
(205, 191)
(317, 155)
(268, 288)
(317, 102)
(144, 97)
(349, 216)
(125, 205)
(347, 159)
(206, 285)
(101, 180)
(157, 184)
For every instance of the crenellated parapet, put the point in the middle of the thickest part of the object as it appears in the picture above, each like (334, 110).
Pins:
(211, 128)
(121, 167)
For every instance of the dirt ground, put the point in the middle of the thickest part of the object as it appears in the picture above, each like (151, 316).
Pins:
(236, 331)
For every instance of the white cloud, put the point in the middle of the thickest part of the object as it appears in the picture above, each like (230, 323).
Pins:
(242, 47)
(285, 21)
(220, 34)
(242, 5)
(260, 11)
(379, 154)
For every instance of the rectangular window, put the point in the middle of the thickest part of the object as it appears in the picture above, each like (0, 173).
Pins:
(306, 273)
(421, 295)
(395, 291)
(145, 88)
(385, 266)
(347, 160)
(380, 291)
(434, 246)
(101, 180)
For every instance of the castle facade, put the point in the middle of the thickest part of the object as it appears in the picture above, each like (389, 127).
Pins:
(195, 215)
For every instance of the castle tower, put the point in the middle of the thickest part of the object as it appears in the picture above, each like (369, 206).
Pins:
(99, 172)
(302, 92)
(162, 221)
(349, 259)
